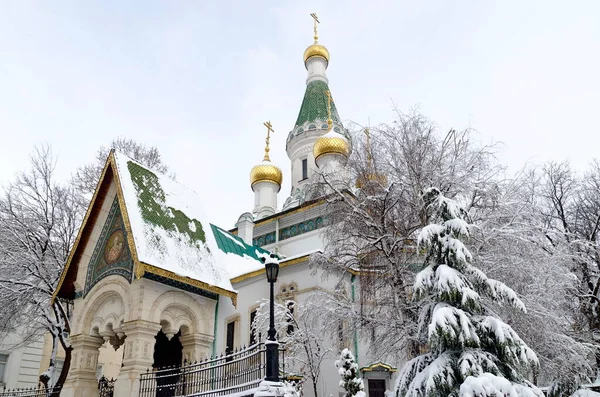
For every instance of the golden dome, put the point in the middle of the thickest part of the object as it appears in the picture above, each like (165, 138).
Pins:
(331, 144)
(371, 177)
(316, 50)
(266, 172)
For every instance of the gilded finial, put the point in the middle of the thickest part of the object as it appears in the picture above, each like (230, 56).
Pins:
(368, 147)
(329, 120)
(269, 130)
(316, 18)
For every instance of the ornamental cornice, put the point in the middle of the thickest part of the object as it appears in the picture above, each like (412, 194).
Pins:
(302, 150)
(315, 127)
(146, 268)
(198, 338)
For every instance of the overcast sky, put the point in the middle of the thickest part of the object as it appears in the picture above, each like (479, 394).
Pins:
(198, 79)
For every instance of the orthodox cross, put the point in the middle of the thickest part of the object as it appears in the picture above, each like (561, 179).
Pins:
(316, 18)
(329, 120)
(269, 130)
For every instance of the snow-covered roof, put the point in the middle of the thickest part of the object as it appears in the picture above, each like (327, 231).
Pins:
(172, 232)
(169, 235)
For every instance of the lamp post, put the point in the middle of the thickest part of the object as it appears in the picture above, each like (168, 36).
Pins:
(272, 270)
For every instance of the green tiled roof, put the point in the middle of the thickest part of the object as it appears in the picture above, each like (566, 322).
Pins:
(151, 202)
(314, 104)
(226, 243)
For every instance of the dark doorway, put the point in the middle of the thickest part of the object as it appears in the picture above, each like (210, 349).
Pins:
(168, 356)
(376, 387)
(230, 340)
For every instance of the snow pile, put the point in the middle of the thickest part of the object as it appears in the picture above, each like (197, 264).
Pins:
(289, 389)
(489, 385)
(472, 352)
(170, 230)
(585, 393)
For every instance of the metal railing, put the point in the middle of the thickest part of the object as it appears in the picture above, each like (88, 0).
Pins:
(31, 392)
(240, 371)
(106, 387)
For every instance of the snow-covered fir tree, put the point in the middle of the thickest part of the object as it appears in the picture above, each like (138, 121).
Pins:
(348, 370)
(471, 352)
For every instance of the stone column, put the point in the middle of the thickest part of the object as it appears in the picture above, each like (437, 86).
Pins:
(196, 347)
(82, 381)
(138, 355)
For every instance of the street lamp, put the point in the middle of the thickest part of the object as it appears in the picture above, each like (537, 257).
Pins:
(272, 270)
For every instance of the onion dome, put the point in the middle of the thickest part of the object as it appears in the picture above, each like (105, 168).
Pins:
(316, 50)
(374, 177)
(371, 175)
(266, 172)
(331, 143)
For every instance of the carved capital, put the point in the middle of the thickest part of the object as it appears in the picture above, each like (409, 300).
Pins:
(85, 352)
(196, 346)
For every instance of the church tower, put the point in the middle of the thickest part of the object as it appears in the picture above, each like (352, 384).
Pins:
(265, 180)
(318, 116)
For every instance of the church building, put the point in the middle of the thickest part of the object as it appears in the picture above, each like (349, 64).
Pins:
(155, 283)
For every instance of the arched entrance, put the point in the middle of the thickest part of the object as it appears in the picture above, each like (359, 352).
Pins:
(168, 353)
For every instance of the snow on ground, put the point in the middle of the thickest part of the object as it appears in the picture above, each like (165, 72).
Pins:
(585, 393)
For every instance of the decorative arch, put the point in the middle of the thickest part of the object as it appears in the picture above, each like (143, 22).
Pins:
(178, 311)
(98, 311)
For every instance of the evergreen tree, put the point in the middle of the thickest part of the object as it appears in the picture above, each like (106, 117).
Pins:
(471, 351)
(348, 370)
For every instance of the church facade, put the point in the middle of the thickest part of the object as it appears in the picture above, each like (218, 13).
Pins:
(154, 281)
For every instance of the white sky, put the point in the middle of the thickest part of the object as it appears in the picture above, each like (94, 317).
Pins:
(198, 79)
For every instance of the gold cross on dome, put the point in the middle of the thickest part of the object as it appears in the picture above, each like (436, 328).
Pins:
(316, 18)
(329, 120)
(269, 130)
(369, 157)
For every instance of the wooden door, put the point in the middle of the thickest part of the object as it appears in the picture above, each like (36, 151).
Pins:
(376, 387)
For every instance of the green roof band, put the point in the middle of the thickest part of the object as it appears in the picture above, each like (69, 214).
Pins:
(232, 244)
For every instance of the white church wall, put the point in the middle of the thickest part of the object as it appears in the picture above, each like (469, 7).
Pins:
(265, 195)
(301, 149)
(299, 245)
(363, 342)
(19, 365)
(252, 290)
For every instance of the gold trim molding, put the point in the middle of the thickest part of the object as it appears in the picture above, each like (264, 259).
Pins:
(146, 268)
(83, 225)
(262, 271)
(376, 367)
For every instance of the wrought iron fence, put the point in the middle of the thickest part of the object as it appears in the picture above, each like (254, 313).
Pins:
(106, 387)
(240, 371)
(31, 392)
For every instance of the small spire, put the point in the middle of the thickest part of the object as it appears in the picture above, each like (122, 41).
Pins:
(368, 147)
(316, 18)
(329, 120)
(269, 130)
